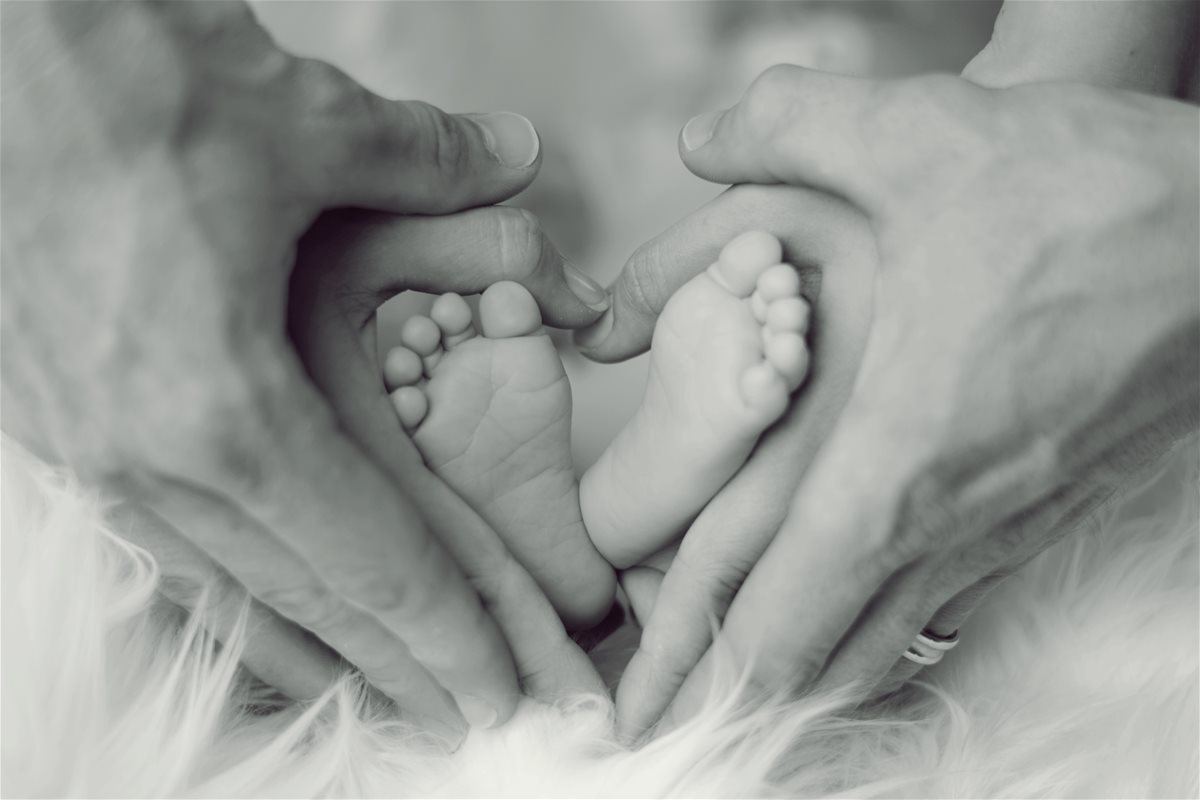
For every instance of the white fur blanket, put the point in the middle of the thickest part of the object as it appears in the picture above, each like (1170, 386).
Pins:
(1078, 678)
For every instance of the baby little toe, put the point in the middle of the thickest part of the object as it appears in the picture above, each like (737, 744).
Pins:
(453, 317)
(743, 260)
(401, 367)
(422, 336)
(759, 307)
(507, 310)
(764, 390)
(411, 406)
(788, 354)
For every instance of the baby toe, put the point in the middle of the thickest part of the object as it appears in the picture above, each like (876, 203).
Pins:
(453, 317)
(778, 282)
(422, 335)
(791, 314)
(759, 307)
(507, 310)
(401, 367)
(764, 390)
(788, 354)
(411, 406)
(743, 260)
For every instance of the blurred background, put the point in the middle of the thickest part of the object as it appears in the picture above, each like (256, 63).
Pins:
(609, 85)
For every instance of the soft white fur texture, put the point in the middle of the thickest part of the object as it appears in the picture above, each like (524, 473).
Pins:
(1078, 678)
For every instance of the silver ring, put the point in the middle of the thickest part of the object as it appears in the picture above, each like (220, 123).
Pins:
(930, 647)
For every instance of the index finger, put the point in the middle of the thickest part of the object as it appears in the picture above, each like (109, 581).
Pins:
(830, 558)
(286, 463)
(812, 225)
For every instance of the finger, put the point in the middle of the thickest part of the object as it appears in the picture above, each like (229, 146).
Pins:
(362, 150)
(548, 663)
(698, 587)
(946, 622)
(868, 648)
(793, 125)
(284, 460)
(812, 227)
(278, 652)
(833, 553)
(381, 255)
(283, 581)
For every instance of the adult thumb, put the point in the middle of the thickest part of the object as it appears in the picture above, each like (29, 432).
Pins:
(793, 126)
(366, 151)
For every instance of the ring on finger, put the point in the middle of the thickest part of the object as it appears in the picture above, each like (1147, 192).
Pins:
(930, 647)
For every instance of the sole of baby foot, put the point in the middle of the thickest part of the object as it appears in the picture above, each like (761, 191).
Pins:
(490, 412)
(728, 351)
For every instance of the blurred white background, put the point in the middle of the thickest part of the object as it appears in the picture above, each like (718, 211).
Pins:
(608, 85)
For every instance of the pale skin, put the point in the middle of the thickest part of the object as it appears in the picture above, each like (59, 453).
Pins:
(488, 405)
(894, 495)
(177, 330)
(261, 386)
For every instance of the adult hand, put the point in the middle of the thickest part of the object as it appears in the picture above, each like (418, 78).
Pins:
(160, 164)
(1017, 366)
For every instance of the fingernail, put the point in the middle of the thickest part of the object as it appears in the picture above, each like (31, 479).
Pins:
(476, 712)
(586, 289)
(594, 335)
(510, 137)
(699, 129)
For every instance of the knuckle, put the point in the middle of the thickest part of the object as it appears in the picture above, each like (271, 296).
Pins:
(328, 92)
(384, 593)
(668, 661)
(769, 100)
(521, 241)
(925, 518)
(434, 137)
(218, 432)
(644, 283)
(776, 83)
(308, 604)
(717, 580)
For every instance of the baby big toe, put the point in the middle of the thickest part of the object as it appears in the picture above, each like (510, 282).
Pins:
(507, 310)
(422, 336)
(743, 260)
(411, 406)
(453, 317)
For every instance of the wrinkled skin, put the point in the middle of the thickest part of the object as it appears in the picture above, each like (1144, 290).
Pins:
(160, 165)
(1034, 319)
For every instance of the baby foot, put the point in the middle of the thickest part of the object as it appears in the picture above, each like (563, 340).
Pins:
(491, 416)
(727, 353)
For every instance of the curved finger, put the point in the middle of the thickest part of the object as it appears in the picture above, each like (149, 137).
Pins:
(282, 580)
(868, 648)
(731, 533)
(853, 137)
(947, 621)
(362, 150)
(793, 125)
(278, 652)
(814, 228)
(548, 663)
(379, 255)
(832, 554)
(280, 456)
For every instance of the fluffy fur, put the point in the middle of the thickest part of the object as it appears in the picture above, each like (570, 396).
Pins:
(1078, 678)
